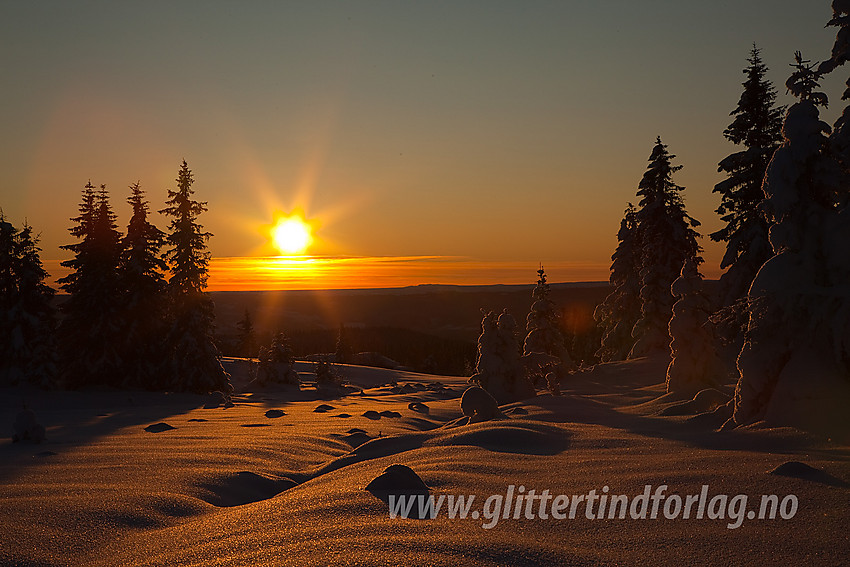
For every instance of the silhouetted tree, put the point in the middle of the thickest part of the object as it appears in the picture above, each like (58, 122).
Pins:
(543, 326)
(326, 374)
(795, 362)
(246, 340)
(667, 236)
(195, 364)
(33, 317)
(839, 140)
(90, 330)
(277, 363)
(758, 128)
(343, 351)
(144, 307)
(8, 298)
(620, 311)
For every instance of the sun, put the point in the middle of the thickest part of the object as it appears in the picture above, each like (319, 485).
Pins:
(291, 235)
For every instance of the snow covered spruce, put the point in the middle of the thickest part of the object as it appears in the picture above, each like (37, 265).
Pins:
(695, 365)
(757, 127)
(620, 311)
(544, 338)
(667, 238)
(277, 363)
(654, 241)
(499, 369)
(795, 362)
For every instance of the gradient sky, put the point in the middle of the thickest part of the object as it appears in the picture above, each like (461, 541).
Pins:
(496, 131)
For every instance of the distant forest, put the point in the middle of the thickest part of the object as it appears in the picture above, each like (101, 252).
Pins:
(410, 326)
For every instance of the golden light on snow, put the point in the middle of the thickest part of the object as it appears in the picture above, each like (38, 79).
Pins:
(291, 235)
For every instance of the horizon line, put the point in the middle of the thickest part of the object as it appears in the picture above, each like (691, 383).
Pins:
(348, 272)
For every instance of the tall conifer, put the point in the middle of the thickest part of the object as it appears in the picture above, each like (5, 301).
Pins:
(195, 359)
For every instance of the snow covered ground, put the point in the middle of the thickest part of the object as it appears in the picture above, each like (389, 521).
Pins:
(138, 478)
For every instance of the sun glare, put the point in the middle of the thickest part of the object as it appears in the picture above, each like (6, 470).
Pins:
(292, 235)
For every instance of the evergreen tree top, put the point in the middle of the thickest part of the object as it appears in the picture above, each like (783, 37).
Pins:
(98, 247)
(137, 200)
(30, 270)
(541, 290)
(757, 122)
(657, 182)
(143, 240)
(757, 125)
(188, 254)
(181, 205)
(85, 220)
(104, 217)
(662, 203)
(804, 80)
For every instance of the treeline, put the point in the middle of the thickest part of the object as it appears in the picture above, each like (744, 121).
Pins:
(418, 351)
(782, 304)
(658, 237)
(27, 318)
(137, 314)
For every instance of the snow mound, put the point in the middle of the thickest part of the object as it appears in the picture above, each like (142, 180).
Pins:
(703, 401)
(397, 480)
(519, 437)
(478, 405)
(796, 469)
(243, 487)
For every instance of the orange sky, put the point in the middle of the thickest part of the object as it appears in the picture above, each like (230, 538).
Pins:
(312, 272)
(386, 272)
(472, 139)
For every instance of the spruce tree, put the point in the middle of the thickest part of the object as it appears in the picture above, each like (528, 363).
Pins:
(246, 341)
(343, 353)
(543, 328)
(839, 140)
(144, 299)
(33, 317)
(795, 362)
(27, 321)
(668, 238)
(499, 368)
(694, 364)
(195, 360)
(757, 127)
(620, 311)
(8, 292)
(91, 327)
(277, 363)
